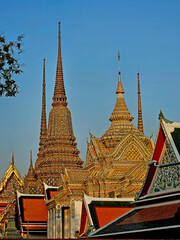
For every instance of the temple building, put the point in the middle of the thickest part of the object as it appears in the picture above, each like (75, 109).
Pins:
(157, 210)
(115, 166)
(10, 182)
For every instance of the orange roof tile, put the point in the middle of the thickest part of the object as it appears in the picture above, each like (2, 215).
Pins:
(152, 214)
(34, 210)
(53, 193)
(108, 214)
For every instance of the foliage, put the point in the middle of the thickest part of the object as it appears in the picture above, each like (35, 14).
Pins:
(9, 65)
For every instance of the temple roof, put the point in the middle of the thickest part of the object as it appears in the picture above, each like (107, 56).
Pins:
(30, 218)
(143, 222)
(101, 211)
(50, 191)
(163, 170)
(156, 214)
(10, 171)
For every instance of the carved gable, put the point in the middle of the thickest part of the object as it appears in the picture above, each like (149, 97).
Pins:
(12, 184)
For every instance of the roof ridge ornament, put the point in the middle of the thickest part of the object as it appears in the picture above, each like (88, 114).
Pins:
(161, 116)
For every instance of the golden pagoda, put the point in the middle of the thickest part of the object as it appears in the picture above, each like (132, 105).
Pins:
(58, 147)
(118, 159)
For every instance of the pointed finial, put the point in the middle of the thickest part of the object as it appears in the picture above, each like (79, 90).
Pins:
(140, 121)
(31, 165)
(119, 88)
(151, 135)
(119, 66)
(139, 92)
(91, 136)
(59, 37)
(161, 116)
(12, 158)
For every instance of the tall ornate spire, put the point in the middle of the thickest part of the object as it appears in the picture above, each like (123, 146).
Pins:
(60, 149)
(43, 131)
(140, 121)
(59, 97)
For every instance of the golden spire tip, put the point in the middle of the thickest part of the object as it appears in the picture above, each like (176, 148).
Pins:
(119, 66)
(12, 158)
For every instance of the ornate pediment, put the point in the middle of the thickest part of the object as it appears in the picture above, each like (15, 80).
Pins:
(11, 176)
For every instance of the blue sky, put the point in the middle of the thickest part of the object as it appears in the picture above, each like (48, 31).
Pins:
(148, 37)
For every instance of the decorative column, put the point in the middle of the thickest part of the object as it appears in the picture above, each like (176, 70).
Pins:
(48, 223)
(51, 224)
(58, 221)
(54, 222)
(72, 219)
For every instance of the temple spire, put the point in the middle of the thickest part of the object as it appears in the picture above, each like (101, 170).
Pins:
(119, 87)
(12, 158)
(31, 172)
(31, 165)
(59, 97)
(140, 121)
(43, 131)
